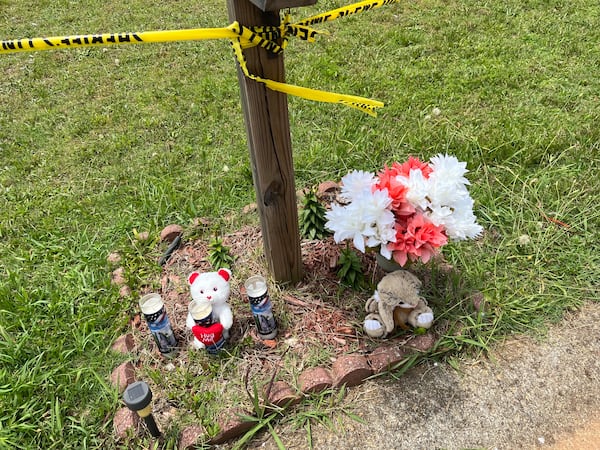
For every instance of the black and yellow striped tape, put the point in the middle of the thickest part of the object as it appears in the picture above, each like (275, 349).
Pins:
(272, 39)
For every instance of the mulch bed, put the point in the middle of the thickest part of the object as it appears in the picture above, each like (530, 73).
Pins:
(318, 320)
(316, 311)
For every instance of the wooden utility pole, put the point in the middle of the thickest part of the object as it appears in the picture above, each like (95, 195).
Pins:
(269, 141)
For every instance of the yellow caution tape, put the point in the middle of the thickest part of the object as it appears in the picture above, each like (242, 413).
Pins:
(251, 39)
(344, 11)
(241, 37)
(90, 40)
(364, 104)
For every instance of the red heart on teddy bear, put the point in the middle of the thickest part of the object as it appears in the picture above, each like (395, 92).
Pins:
(208, 335)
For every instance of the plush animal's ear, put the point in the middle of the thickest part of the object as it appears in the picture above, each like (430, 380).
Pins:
(193, 277)
(225, 273)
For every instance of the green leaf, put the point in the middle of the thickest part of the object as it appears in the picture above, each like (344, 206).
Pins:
(276, 438)
(312, 217)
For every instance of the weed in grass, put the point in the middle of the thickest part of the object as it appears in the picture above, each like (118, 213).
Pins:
(312, 217)
(350, 270)
(219, 255)
(320, 408)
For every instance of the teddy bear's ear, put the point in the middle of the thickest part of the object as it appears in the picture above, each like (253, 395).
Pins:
(225, 273)
(193, 277)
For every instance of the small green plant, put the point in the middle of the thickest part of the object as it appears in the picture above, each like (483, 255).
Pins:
(350, 272)
(312, 217)
(263, 416)
(218, 254)
(321, 408)
(261, 423)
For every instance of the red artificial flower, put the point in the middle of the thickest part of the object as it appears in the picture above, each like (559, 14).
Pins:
(411, 164)
(389, 179)
(416, 238)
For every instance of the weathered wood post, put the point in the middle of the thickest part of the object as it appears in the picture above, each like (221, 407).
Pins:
(269, 141)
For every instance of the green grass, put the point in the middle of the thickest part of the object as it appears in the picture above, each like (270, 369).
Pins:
(95, 143)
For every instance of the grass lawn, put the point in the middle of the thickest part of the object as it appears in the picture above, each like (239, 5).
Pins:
(97, 144)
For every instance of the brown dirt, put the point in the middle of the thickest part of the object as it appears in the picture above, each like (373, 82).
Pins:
(586, 437)
(528, 394)
(317, 320)
(315, 310)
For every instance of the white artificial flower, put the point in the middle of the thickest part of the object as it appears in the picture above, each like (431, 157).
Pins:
(418, 188)
(367, 220)
(447, 167)
(355, 183)
(462, 225)
(463, 203)
(385, 252)
(445, 191)
(438, 215)
(344, 225)
(447, 180)
(378, 220)
(450, 204)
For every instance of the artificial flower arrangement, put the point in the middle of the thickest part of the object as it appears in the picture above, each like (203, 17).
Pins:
(408, 211)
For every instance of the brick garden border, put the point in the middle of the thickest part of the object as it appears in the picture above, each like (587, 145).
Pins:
(347, 370)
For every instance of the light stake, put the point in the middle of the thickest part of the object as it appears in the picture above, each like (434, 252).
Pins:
(138, 398)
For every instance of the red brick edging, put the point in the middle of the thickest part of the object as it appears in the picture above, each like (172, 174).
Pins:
(347, 370)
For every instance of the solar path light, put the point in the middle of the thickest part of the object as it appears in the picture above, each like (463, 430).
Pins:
(138, 398)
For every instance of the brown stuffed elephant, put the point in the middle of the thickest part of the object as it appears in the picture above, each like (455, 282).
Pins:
(396, 302)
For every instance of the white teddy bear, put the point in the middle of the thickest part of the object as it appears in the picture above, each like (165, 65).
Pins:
(210, 292)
